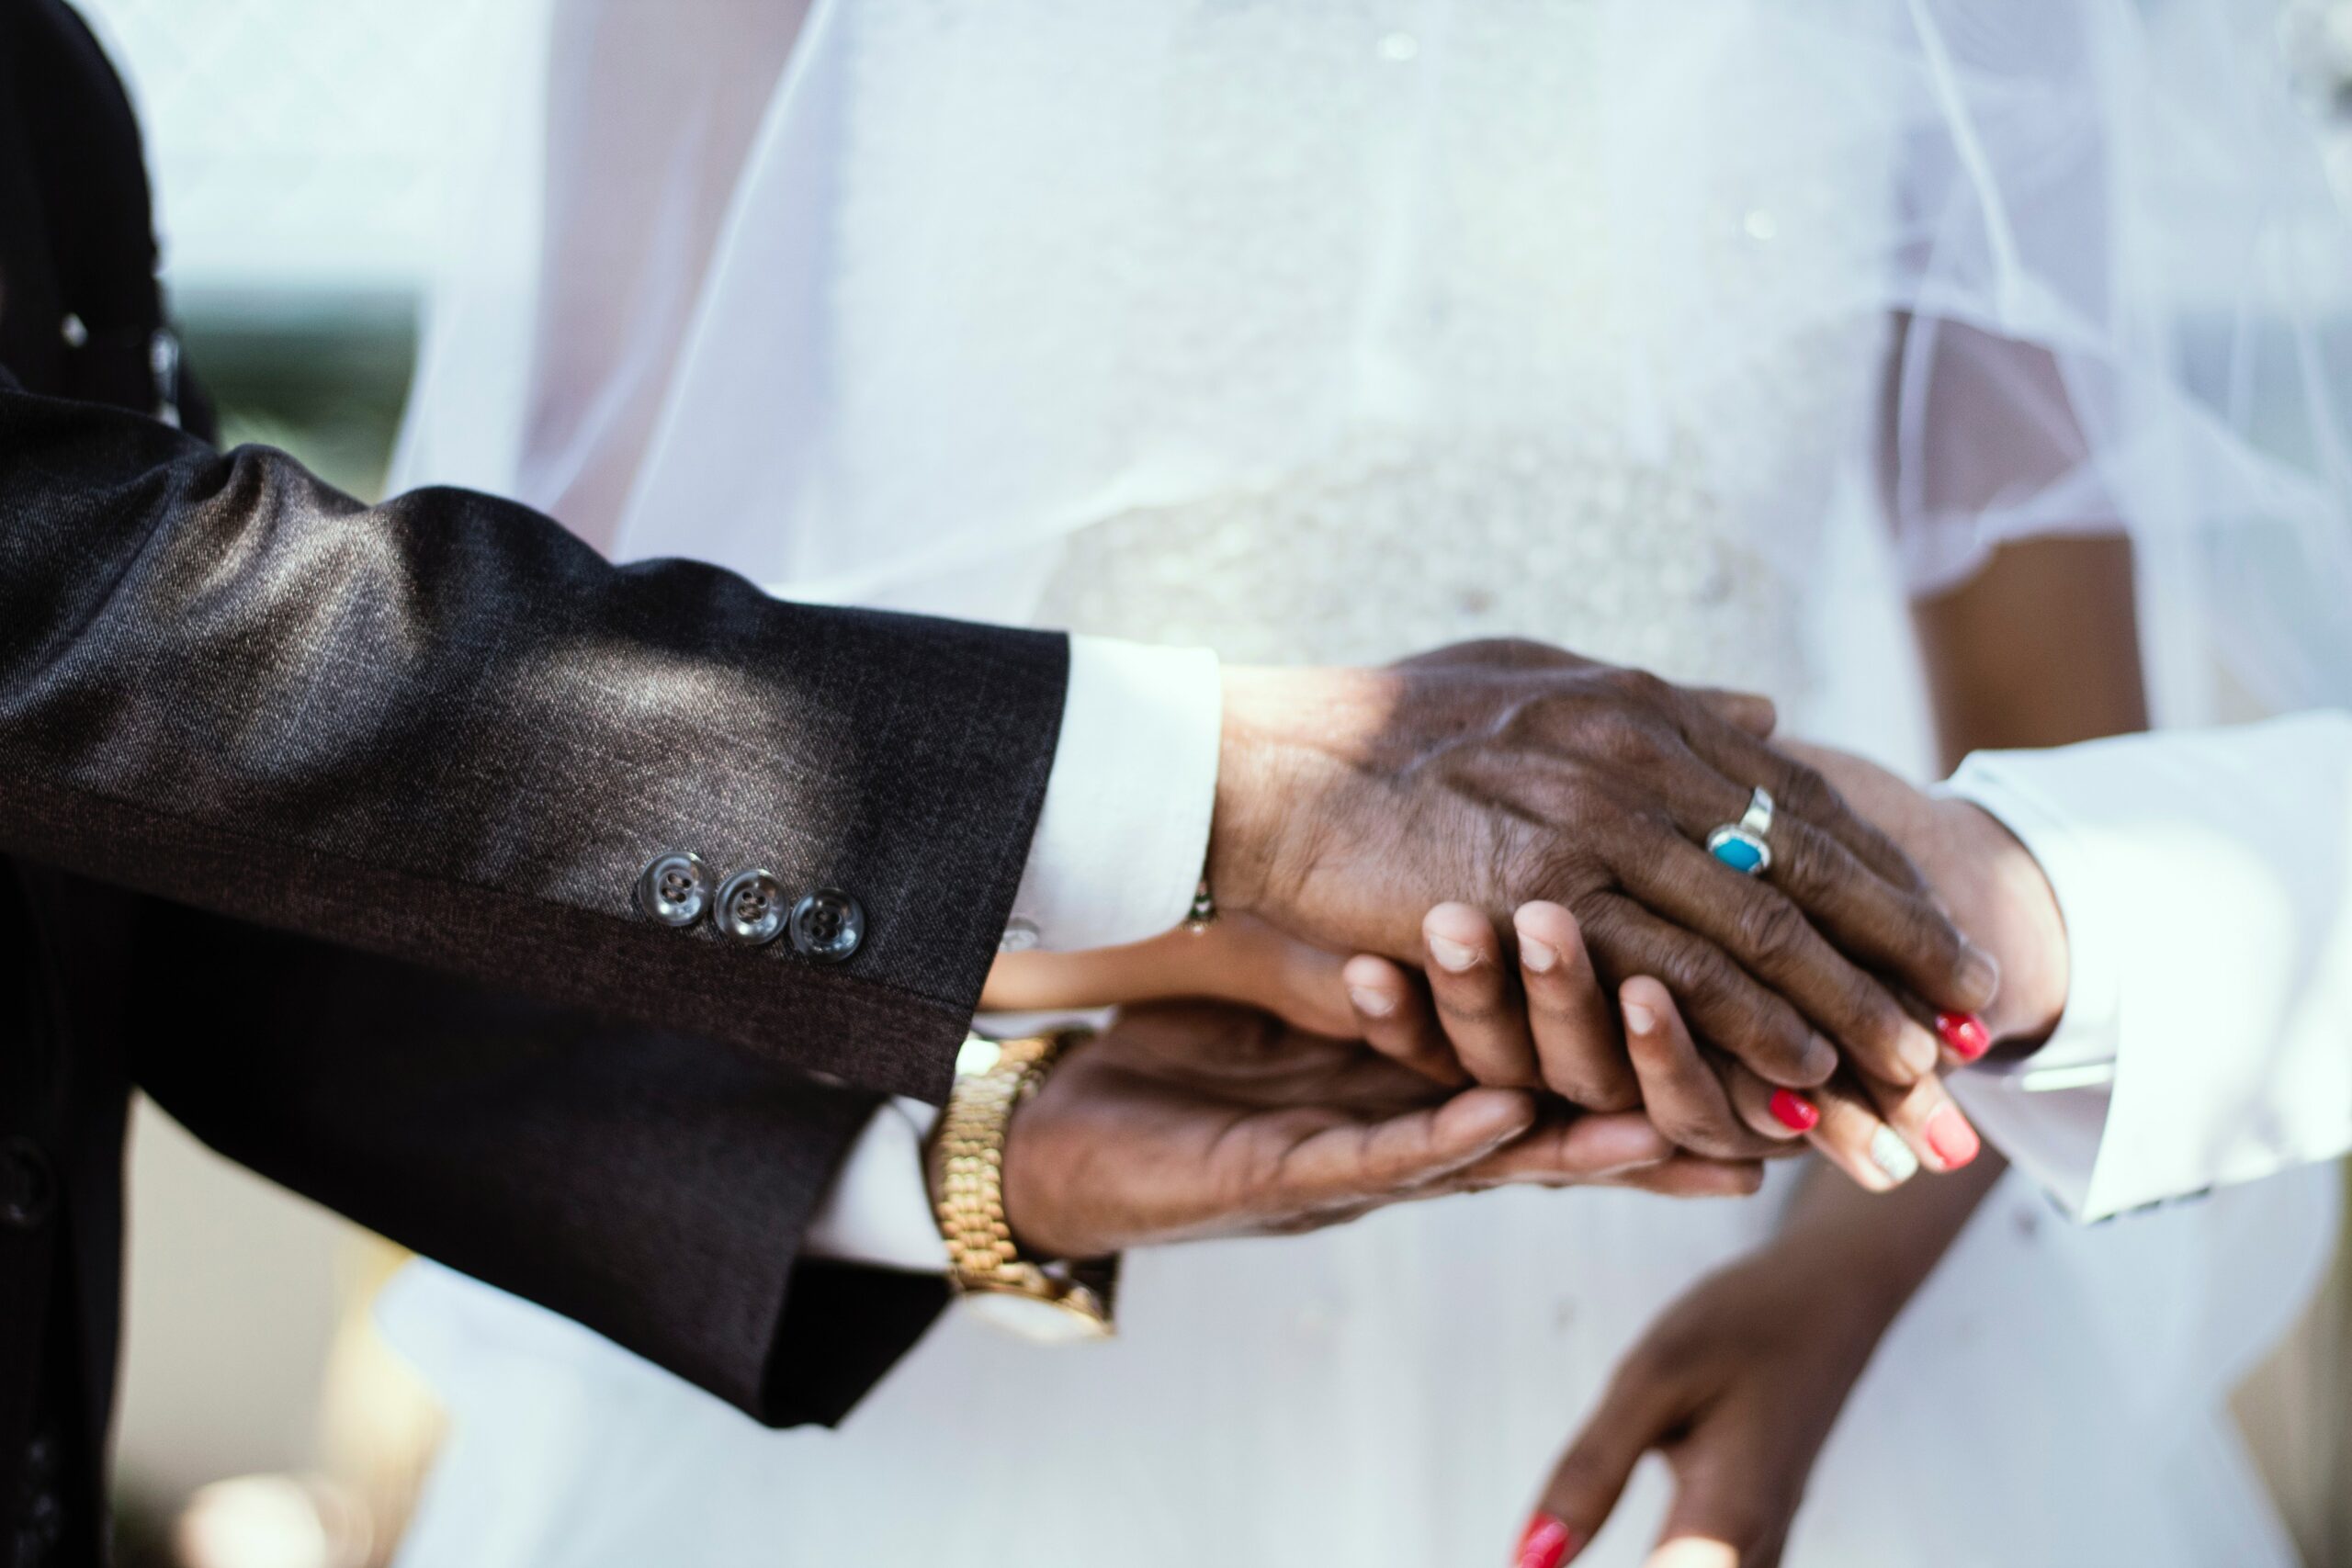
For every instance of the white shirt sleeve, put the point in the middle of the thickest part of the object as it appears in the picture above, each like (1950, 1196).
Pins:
(1116, 857)
(1125, 830)
(2205, 878)
(878, 1209)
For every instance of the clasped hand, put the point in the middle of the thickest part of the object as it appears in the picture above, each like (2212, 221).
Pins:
(1512, 838)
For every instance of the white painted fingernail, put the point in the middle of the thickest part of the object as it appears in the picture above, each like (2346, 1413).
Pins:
(1639, 1018)
(1538, 956)
(1454, 955)
(1371, 1003)
(1893, 1156)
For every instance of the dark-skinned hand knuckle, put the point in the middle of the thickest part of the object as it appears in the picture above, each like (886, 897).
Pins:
(1641, 689)
(1773, 932)
(1806, 793)
(1701, 977)
(1878, 1019)
(1928, 932)
(1805, 867)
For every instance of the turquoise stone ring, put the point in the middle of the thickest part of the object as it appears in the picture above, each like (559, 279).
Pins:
(1741, 845)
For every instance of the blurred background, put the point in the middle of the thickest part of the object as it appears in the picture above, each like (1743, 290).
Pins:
(300, 152)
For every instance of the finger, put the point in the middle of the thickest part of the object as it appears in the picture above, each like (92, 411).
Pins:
(1852, 1136)
(1477, 997)
(1682, 1093)
(1693, 1552)
(1714, 993)
(1771, 1111)
(1749, 761)
(1751, 712)
(1730, 1509)
(1571, 1150)
(1395, 1017)
(1928, 1118)
(1887, 916)
(1636, 1411)
(1304, 986)
(1578, 1045)
(1328, 1162)
(1769, 936)
(1692, 1176)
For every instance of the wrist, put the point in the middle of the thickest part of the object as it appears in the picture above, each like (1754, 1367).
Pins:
(1282, 729)
(978, 1164)
(2003, 899)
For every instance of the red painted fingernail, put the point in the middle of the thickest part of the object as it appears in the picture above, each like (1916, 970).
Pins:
(1547, 1543)
(1952, 1137)
(1965, 1033)
(1793, 1110)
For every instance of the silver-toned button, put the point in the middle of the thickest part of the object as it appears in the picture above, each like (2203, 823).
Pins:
(751, 908)
(828, 926)
(74, 330)
(1020, 935)
(675, 888)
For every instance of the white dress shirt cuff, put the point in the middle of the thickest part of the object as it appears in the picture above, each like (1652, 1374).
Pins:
(878, 1211)
(2203, 876)
(2083, 1047)
(1125, 830)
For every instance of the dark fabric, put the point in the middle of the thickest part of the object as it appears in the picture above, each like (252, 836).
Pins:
(321, 823)
(442, 728)
(650, 1184)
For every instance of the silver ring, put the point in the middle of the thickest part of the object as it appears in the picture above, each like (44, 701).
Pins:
(1742, 845)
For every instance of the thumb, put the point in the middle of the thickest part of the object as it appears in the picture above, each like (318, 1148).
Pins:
(1634, 1415)
(1355, 1163)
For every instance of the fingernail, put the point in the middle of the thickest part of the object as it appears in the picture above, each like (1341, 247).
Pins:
(1952, 1139)
(1537, 955)
(1980, 974)
(1454, 955)
(1546, 1543)
(1965, 1033)
(1893, 1156)
(1793, 1110)
(1371, 1003)
(1639, 1018)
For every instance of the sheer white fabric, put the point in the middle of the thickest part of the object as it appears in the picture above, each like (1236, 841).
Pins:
(2124, 190)
(1326, 330)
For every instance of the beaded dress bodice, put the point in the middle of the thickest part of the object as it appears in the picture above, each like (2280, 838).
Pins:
(1356, 302)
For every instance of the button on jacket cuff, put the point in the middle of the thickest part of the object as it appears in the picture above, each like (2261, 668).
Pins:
(1124, 830)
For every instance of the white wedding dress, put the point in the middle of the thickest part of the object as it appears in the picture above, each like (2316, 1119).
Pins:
(1354, 349)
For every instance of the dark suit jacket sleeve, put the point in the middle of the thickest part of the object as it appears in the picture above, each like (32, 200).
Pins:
(443, 729)
(654, 1186)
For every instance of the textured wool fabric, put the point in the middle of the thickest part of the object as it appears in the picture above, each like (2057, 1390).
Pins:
(320, 822)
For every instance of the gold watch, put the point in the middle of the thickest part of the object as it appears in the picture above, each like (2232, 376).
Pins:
(1055, 1301)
